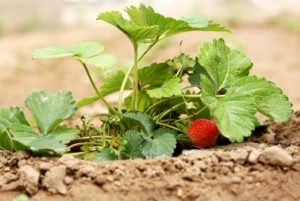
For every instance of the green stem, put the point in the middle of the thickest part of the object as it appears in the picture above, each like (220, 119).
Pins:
(148, 49)
(92, 137)
(167, 125)
(96, 89)
(135, 76)
(160, 116)
(82, 143)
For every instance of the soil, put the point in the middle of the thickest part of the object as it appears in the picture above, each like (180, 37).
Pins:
(267, 167)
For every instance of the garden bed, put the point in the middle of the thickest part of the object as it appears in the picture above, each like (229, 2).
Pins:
(267, 167)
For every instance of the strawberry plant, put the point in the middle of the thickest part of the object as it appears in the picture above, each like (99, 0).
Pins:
(220, 99)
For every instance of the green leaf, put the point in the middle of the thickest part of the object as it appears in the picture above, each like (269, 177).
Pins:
(84, 50)
(8, 117)
(47, 144)
(206, 87)
(133, 31)
(105, 155)
(222, 64)
(268, 97)
(143, 120)
(87, 101)
(155, 74)
(64, 135)
(144, 101)
(113, 82)
(134, 144)
(233, 114)
(171, 87)
(146, 16)
(24, 134)
(103, 61)
(50, 109)
(12, 115)
(161, 143)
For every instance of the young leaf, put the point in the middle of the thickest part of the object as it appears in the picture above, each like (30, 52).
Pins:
(133, 31)
(233, 114)
(134, 144)
(155, 74)
(146, 16)
(223, 64)
(161, 143)
(49, 109)
(268, 97)
(171, 87)
(144, 120)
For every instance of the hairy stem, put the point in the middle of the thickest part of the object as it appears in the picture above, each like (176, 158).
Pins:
(96, 89)
(135, 81)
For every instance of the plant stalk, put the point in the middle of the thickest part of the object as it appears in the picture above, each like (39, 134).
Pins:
(135, 82)
(96, 89)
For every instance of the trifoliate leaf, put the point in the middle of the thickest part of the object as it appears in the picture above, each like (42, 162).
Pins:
(146, 16)
(223, 64)
(171, 87)
(134, 144)
(233, 114)
(84, 50)
(143, 120)
(50, 109)
(155, 74)
(269, 99)
(161, 143)
(105, 155)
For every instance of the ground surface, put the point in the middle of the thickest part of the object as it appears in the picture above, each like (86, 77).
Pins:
(247, 171)
(265, 168)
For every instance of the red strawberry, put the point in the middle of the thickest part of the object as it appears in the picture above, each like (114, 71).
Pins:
(203, 133)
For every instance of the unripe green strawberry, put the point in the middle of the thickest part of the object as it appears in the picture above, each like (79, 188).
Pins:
(203, 133)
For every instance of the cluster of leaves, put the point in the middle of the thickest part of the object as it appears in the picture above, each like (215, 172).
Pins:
(153, 118)
(49, 111)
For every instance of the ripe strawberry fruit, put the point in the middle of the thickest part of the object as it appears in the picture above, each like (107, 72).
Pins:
(203, 133)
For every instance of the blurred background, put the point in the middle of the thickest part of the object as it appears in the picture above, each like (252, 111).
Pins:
(267, 31)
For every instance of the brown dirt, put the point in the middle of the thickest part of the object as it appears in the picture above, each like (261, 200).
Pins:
(246, 171)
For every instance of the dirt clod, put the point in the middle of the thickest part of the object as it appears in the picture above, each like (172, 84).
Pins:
(29, 179)
(276, 156)
(54, 180)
